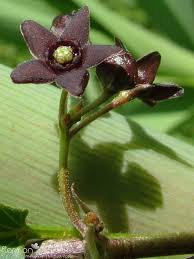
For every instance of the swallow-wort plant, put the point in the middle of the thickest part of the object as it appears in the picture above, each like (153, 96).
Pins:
(62, 56)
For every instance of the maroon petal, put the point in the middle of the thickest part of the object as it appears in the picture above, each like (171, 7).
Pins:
(160, 92)
(118, 72)
(59, 24)
(147, 67)
(78, 26)
(126, 61)
(74, 81)
(33, 71)
(37, 38)
(95, 54)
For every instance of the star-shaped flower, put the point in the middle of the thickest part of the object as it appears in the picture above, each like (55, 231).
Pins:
(121, 72)
(63, 54)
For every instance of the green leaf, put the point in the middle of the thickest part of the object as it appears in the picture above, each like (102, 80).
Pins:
(176, 61)
(156, 120)
(172, 18)
(22, 168)
(183, 12)
(141, 181)
(12, 225)
(14, 231)
(185, 127)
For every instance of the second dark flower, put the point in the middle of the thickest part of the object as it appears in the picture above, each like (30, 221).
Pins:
(122, 72)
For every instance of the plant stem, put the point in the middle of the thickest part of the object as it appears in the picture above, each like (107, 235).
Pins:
(63, 176)
(133, 246)
(123, 97)
(63, 131)
(101, 99)
(148, 246)
(90, 119)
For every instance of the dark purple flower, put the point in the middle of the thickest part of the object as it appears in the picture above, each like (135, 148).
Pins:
(118, 72)
(121, 72)
(63, 54)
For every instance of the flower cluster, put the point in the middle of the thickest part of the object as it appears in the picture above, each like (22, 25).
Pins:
(122, 72)
(63, 54)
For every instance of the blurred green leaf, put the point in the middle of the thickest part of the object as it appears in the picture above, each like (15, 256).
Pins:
(174, 18)
(160, 121)
(23, 169)
(128, 8)
(185, 127)
(183, 11)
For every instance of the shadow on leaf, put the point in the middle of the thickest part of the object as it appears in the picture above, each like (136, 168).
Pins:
(142, 140)
(100, 179)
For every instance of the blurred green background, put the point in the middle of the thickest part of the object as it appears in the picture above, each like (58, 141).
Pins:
(143, 25)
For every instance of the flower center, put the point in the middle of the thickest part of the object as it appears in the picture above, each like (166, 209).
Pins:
(63, 54)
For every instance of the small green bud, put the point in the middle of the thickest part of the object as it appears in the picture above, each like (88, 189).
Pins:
(63, 54)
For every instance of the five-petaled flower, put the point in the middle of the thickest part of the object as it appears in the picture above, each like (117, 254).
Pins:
(63, 54)
(122, 72)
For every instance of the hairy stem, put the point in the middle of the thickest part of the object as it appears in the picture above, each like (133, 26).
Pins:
(149, 246)
(63, 176)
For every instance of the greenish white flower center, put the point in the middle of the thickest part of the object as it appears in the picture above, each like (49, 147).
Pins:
(63, 54)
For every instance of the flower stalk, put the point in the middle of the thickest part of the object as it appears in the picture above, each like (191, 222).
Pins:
(88, 108)
(63, 131)
(122, 98)
(63, 176)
